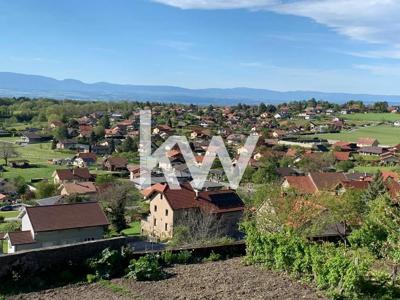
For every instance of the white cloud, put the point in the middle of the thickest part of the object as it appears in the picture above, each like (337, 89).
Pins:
(381, 70)
(372, 21)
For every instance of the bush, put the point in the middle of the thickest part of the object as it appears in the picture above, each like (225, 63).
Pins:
(146, 268)
(168, 258)
(2, 219)
(108, 264)
(213, 257)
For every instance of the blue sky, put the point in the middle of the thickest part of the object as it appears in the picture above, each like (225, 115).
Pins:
(325, 45)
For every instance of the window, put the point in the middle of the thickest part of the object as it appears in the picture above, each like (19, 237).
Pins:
(155, 208)
(155, 222)
(166, 212)
(166, 227)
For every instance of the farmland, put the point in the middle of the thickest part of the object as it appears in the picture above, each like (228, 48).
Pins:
(386, 135)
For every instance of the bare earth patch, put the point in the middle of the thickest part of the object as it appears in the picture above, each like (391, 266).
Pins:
(228, 279)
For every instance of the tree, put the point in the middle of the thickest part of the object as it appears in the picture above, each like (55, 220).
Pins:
(128, 145)
(99, 131)
(345, 165)
(115, 199)
(45, 189)
(262, 108)
(375, 189)
(54, 144)
(61, 132)
(7, 151)
(105, 121)
(265, 174)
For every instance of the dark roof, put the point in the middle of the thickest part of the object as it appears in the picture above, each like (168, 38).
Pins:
(286, 171)
(372, 150)
(71, 174)
(32, 135)
(87, 155)
(213, 201)
(326, 180)
(21, 237)
(66, 216)
(119, 162)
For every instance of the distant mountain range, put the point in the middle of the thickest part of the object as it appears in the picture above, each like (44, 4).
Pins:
(14, 84)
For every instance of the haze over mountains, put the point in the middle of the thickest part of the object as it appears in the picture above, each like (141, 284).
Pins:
(15, 84)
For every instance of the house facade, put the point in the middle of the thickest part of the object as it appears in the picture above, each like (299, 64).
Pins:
(53, 225)
(170, 208)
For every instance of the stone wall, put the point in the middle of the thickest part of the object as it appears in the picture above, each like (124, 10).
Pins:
(56, 258)
(38, 260)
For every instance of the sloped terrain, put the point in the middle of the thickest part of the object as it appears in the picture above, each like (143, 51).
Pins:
(228, 279)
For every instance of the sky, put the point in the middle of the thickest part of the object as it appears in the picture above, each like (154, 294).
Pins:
(322, 45)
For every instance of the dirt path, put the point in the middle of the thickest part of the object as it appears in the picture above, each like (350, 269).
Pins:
(228, 279)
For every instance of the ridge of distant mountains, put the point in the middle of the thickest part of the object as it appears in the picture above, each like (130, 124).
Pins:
(17, 85)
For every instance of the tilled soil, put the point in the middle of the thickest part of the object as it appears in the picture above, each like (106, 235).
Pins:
(229, 279)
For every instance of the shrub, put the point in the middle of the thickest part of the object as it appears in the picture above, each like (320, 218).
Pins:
(1, 219)
(108, 264)
(339, 270)
(146, 268)
(168, 258)
(213, 257)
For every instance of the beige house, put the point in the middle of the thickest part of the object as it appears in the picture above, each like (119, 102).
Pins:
(52, 225)
(71, 175)
(169, 208)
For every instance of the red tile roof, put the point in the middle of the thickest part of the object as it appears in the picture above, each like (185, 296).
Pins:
(357, 185)
(21, 238)
(341, 156)
(66, 216)
(366, 141)
(81, 188)
(302, 184)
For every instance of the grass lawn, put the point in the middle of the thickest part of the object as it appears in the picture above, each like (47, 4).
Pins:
(9, 214)
(134, 229)
(373, 117)
(374, 169)
(38, 156)
(4, 246)
(386, 135)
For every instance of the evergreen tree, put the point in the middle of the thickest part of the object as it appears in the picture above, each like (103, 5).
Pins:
(105, 121)
(375, 189)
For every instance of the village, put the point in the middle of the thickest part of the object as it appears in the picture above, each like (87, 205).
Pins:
(77, 178)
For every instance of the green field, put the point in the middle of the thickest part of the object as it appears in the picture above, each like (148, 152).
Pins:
(386, 135)
(373, 169)
(373, 117)
(9, 214)
(134, 229)
(38, 156)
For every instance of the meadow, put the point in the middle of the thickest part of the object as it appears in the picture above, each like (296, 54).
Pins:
(38, 156)
(372, 117)
(386, 134)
